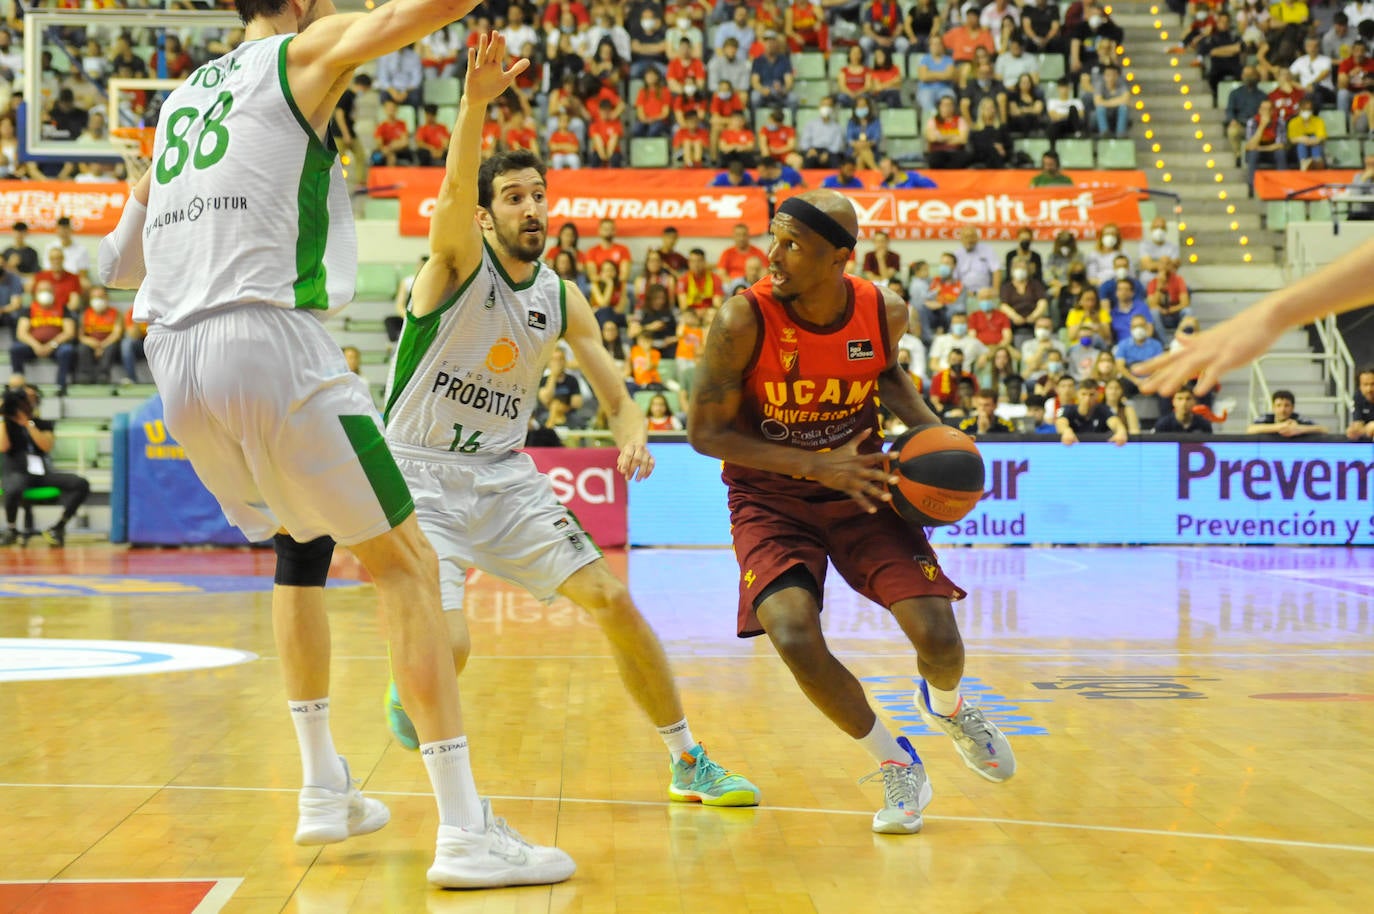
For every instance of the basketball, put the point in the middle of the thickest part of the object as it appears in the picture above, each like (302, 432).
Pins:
(939, 475)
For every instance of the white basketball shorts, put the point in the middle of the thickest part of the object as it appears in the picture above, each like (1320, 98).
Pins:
(498, 515)
(276, 426)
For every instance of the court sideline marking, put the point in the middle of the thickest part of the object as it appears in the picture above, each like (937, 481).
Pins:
(987, 820)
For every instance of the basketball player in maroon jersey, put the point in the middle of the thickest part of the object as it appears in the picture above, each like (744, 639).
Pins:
(786, 395)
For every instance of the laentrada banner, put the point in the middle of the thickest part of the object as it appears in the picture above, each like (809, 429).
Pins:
(645, 201)
(1277, 185)
(93, 208)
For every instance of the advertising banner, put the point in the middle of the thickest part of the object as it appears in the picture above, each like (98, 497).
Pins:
(167, 504)
(643, 201)
(93, 208)
(584, 479)
(1277, 185)
(1192, 492)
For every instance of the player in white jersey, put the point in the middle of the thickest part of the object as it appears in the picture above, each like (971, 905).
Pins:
(240, 236)
(483, 317)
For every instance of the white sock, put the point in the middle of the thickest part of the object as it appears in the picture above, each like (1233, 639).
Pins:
(678, 738)
(320, 765)
(946, 704)
(450, 773)
(882, 745)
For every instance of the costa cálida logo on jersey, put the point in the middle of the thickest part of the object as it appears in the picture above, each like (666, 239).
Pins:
(503, 354)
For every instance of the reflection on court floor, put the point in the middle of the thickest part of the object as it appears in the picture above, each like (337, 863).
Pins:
(1191, 728)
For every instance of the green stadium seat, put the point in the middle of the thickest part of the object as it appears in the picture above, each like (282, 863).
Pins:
(1051, 68)
(1033, 146)
(1148, 211)
(1297, 210)
(906, 150)
(1319, 211)
(376, 281)
(381, 208)
(1276, 215)
(811, 91)
(642, 397)
(407, 115)
(805, 116)
(442, 90)
(1224, 90)
(1344, 152)
(808, 66)
(667, 369)
(838, 61)
(1075, 153)
(448, 114)
(1335, 123)
(649, 152)
(1114, 153)
(899, 122)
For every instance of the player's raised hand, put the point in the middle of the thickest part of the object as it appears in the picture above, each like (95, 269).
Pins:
(635, 461)
(1208, 355)
(863, 477)
(487, 77)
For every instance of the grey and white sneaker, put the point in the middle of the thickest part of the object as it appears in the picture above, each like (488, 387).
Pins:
(984, 747)
(906, 791)
(329, 816)
(495, 856)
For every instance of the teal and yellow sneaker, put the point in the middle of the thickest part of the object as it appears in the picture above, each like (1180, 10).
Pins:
(697, 779)
(399, 721)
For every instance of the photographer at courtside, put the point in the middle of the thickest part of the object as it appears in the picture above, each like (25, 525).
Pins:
(25, 441)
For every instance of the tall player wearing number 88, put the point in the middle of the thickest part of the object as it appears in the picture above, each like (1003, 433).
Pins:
(239, 237)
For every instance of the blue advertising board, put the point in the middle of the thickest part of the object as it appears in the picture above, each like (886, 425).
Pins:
(1201, 491)
(166, 502)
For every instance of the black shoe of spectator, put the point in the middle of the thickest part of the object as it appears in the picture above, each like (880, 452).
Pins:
(56, 535)
(9, 536)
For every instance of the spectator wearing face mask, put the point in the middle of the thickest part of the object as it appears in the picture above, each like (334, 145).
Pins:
(1087, 346)
(987, 321)
(944, 299)
(1155, 247)
(1024, 299)
(1121, 272)
(1100, 261)
(1062, 257)
(1168, 296)
(958, 337)
(822, 139)
(98, 339)
(1140, 347)
(1037, 351)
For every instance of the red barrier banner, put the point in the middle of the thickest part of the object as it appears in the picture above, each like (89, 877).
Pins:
(1277, 185)
(93, 208)
(918, 215)
(643, 201)
(584, 479)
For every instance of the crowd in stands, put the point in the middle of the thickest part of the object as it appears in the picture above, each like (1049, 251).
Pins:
(800, 82)
(1301, 80)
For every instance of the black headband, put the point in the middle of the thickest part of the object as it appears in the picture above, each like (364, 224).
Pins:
(818, 222)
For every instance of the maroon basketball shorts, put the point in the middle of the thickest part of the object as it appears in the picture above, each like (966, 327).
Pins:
(877, 554)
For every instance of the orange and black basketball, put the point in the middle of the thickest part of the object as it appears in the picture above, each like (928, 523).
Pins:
(939, 475)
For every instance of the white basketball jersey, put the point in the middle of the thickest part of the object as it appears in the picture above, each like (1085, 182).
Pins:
(247, 203)
(466, 376)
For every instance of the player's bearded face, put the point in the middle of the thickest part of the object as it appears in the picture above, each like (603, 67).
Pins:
(523, 236)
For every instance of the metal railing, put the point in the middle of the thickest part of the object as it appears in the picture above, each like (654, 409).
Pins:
(1337, 368)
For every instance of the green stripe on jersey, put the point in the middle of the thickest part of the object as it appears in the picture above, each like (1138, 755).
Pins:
(312, 205)
(562, 308)
(418, 334)
(379, 467)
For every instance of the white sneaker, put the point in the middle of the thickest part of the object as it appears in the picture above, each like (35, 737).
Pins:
(906, 794)
(329, 816)
(494, 857)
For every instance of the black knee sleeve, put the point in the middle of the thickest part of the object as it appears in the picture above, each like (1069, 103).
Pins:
(302, 564)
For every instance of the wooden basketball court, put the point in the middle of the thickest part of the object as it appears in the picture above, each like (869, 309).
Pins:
(1194, 731)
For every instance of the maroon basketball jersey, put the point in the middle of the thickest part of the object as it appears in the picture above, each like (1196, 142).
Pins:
(811, 387)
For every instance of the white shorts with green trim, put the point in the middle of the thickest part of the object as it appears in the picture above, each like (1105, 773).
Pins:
(276, 426)
(499, 515)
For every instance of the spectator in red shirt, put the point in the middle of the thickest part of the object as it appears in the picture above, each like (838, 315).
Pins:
(606, 99)
(568, 239)
(882, 263)
(961, 40)
(178, 61)
(608, 249)
(101, 329)
(1168, 295)
(682, 66)
(691, 142)
(605, 136)
(431, 138)
(553, 14)
(1286, 96)
(804, 26)
(46, 330)
(699, 287)
(564, 149)
(653, 108)
(986, 320)
(732, 259)
(491, 132)
(393, 138)
(672, 258)
(1353, 75)
(520, 133)
(725, 102)
(776, 139)
(66, 285)
(737, 143)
